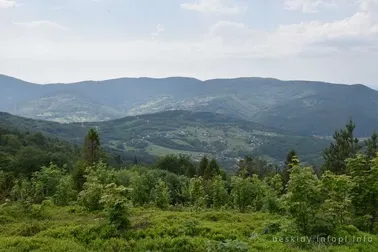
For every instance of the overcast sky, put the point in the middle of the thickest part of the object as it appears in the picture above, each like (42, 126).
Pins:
(70, 40)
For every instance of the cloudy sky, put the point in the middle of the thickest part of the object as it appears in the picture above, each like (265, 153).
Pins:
(71, 40)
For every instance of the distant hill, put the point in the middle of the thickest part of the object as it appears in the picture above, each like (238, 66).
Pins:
(302, 107)
(183, 132)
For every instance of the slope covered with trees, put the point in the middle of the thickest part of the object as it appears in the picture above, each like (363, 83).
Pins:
(26, 152)
(182, 132)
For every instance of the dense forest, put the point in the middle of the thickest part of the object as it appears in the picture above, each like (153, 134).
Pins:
(26, 152)
(57, 197)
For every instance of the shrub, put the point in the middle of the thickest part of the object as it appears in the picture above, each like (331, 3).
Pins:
(116, 207)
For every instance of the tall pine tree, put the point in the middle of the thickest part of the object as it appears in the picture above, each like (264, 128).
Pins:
(372, 146)
(291, 160)
(212, 169)
(202, 166)
(90, 155)
(91, 147)
(345, 146)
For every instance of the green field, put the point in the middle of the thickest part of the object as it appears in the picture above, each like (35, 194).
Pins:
(73, 229)
(161, 151)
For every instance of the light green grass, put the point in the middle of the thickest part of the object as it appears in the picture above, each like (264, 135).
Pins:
(179, 230)
(161, 151)
(181, 142)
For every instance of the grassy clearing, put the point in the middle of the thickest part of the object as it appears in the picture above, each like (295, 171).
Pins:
(181, 142)
(157, 150)
(73, 229)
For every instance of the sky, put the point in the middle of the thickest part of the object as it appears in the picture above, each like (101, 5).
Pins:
(49, 41)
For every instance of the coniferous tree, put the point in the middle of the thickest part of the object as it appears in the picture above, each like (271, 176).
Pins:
(78, 175)
(345, 146)
(212, 169)
(244, 167)
(118, 160)
(91, 147)
(203, 165)
(90, 155)
(135, 160)
(372, 146)
(188, 166)
(290, 161)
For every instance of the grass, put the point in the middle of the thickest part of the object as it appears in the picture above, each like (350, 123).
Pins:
(236, 141)
(181, 142)
(161, 151)
(73, 229)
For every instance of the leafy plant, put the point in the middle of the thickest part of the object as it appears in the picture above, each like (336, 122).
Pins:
(116, 206)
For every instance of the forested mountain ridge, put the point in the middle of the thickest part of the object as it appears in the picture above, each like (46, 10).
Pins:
(303, 107)
(182, 132)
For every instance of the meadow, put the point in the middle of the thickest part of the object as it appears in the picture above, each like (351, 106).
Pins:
(50, 228)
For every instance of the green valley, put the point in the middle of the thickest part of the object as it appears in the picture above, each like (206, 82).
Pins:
(193, 133)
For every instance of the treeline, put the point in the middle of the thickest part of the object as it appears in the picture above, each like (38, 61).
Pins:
(25, 152)
(339, 199)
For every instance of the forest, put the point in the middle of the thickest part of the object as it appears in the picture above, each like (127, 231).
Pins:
(55, 196)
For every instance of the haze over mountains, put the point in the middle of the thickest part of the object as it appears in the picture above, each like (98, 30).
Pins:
(301, 107)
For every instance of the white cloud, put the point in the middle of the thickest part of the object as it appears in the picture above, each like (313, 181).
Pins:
(313, 6)
(215, 6)
(309, 6)
(306, 38)
(7, 3)
(41, 23)
(326, 50)
(231, 30)
(159, 29)
(361, 26)
(57, 7)
(368, 5)
(225, 39)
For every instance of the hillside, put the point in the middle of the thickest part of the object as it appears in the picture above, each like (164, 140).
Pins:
(184, 132)
(25, 152)
(302, 107)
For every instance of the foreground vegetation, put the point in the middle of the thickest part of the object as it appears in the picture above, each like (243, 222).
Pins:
(180, 205)
(72, 228)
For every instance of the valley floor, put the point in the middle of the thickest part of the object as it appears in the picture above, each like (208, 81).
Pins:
(72, 229)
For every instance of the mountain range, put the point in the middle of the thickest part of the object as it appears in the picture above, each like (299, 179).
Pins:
(299, 107)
